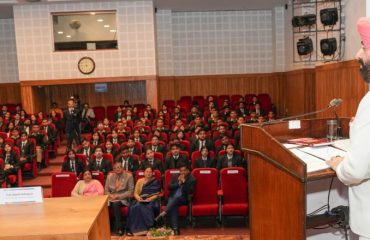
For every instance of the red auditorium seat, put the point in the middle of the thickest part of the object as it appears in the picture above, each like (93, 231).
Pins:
(218, 142)
(205, 200)
(79, 156)
(140, 107)
(235, 98)
(265, 101)
(99, 113)
(249, 99)
(197, 154)
(31, 167)
(184, 153)
(11, 107)
(234, 200)
(221, 99)
(110, 111)
(13, 178)
(98, 175)
(183, 211)
(122, 137)
(62, 184)
(140, 174)
(223, 152)
(107, 156)
(186, 143)
(170, 104)
(3, 135)
(201, 102)
(185, 105)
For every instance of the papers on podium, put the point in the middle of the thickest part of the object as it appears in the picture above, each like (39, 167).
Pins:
(315, 157)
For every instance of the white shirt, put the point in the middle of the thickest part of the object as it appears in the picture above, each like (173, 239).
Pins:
(354, 170)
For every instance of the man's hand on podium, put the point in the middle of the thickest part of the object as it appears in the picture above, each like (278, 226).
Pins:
(334, 162)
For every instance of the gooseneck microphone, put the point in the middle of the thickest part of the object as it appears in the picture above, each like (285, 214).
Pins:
(332, 104)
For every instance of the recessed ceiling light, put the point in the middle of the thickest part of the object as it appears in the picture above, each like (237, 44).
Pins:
(68, 36)
(106, 26)
(92, 13)
(100, 20)
(60, 32)
(113, 30)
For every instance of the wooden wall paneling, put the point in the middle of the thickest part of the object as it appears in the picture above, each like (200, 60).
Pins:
(166, 88)
(10, 93)
(271, 83)
(116, 94)
(152, 93)
(299, 92)
(340, 80)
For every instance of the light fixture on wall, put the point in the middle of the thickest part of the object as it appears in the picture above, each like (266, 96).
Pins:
(305, 20)
(304, 46)
(328, 46)
(329, 16)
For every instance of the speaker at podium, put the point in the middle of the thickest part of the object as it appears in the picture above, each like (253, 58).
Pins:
(288, 193)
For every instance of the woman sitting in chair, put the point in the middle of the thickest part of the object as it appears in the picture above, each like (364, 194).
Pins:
(145, 207)
(88, 186)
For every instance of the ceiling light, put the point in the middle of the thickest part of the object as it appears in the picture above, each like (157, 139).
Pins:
(304, 46)
(113, 30)
(60, 32)
(100, 20)
(92, 13)
(68, 36)
(106, 26)
(328, 46)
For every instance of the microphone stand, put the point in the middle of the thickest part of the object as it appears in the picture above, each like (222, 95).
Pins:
(297, 116)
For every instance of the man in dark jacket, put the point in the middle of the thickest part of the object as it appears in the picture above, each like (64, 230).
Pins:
(176, 159)
(182, 185)
(71, 119)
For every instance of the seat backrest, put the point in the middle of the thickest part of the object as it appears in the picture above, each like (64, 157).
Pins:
(62, 184)
(231, 177)
(4, 135)
(99, 112)
(167, 179)
(223, 152)
(206, 186)
(249, 98)
(80, 156)
(140, 174)
(235, 98)
(111, 111)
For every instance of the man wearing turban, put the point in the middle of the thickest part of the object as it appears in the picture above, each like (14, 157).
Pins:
(354, 169)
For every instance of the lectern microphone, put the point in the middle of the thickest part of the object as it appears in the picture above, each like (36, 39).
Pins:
(332, 104)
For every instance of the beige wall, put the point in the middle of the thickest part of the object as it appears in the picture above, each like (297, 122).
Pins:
(136, 39)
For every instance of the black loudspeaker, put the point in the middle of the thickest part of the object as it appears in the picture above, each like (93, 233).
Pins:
(329, 16)
(328, 46)
(304, 46)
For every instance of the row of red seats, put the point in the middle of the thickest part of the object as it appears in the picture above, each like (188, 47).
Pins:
(213, 196)
(11, 106)
(186, 102)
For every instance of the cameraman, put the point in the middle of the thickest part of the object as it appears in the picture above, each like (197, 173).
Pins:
(71, 119)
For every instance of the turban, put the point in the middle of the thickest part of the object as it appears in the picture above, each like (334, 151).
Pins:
(363, 28)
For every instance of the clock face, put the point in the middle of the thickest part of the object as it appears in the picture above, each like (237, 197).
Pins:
(86, 65)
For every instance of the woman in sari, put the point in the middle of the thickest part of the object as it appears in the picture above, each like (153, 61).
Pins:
(145, 206)
(88, 186)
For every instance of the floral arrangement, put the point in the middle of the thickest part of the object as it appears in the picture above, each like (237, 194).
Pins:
(160, 232)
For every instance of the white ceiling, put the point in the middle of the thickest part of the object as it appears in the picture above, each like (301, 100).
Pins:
(175, 5)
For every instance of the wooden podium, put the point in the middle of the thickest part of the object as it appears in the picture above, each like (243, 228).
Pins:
(72, 218)
(277, 179)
